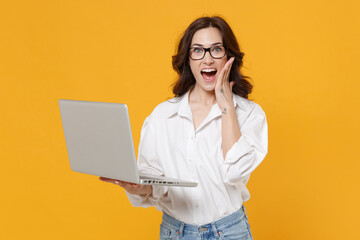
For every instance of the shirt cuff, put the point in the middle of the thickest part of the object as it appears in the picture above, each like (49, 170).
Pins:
(147, 200)
(158, 191)
(239, 149)
(138, 200)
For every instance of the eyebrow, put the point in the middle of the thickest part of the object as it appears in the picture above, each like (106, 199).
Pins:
(197, 44)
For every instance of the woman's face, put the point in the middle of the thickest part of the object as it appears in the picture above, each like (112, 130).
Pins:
(207, 70)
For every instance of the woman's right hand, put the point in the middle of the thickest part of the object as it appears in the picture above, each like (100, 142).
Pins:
(133, 188)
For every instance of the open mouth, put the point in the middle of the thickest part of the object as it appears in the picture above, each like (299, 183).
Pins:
(208, 74)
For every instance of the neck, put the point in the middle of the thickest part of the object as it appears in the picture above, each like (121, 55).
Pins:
(201, 96)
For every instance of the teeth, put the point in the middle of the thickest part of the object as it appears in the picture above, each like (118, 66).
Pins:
(208, 70)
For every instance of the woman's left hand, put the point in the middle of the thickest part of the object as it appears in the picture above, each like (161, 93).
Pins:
(133, 188)
(223, 88)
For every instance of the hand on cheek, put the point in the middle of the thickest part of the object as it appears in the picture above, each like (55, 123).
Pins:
(223, 88)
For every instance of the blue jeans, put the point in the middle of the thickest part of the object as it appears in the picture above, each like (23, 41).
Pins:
(232, 227)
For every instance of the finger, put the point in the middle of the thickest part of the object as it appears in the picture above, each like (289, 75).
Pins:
(106, 179)
(127, 184)
(132, 185)
(220, 78)
(224, 73)
(229, 63)
(110, 180)
(232, 59)
(123, 184)
(228, 67)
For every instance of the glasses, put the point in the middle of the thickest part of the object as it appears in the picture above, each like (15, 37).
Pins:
(198, 53)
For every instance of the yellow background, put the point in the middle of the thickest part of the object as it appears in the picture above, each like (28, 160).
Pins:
(303, 57)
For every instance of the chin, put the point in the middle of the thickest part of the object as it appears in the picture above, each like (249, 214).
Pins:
(206, 86)
(209, 87)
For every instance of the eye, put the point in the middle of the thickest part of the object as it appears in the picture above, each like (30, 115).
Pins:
(216, 49)
(198, 50)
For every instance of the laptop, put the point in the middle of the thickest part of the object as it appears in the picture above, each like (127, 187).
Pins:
(99, 142)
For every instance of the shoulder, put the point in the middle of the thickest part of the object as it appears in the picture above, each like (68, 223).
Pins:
(166, 108)
(248, 106)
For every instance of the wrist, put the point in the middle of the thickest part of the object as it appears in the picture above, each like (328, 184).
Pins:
(227, 110)
(147, 190)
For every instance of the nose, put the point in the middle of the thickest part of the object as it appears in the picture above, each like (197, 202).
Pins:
(208, 58)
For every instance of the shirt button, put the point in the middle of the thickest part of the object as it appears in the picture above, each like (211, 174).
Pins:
(192, 137)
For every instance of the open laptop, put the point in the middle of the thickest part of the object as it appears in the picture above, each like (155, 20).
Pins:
(99, 142)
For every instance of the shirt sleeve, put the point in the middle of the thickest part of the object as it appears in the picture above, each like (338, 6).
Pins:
(250, 150)
(148, 163)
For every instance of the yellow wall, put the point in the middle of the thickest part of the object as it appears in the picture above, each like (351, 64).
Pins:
(303, 57)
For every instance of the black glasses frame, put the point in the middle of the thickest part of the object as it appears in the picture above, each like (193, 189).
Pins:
(208, 50)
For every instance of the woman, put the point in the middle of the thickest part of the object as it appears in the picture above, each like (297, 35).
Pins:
(209, 133)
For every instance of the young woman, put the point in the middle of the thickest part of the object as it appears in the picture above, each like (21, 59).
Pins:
(209, 133)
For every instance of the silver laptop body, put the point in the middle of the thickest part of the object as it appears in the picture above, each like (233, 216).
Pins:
(99, 142)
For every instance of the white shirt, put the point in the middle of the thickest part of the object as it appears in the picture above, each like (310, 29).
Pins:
(169, 146)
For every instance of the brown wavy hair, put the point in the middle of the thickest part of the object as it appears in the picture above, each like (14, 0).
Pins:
(180, 60)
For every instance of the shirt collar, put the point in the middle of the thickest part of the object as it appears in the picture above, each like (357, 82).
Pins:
(241, 102)
(181, 105)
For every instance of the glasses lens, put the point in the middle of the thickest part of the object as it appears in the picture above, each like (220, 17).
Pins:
(217, 51)
(197, 53)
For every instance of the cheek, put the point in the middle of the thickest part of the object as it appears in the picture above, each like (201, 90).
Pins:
(194, 69)
(222, 64)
